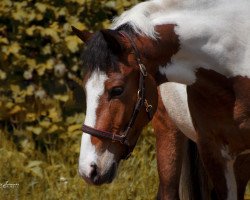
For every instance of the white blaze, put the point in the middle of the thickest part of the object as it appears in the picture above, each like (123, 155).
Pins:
(94, 89)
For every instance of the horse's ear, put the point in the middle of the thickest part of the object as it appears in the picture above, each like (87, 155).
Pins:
(83, 35)
(114, 40)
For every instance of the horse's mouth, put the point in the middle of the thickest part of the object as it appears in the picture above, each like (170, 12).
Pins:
(112, 173)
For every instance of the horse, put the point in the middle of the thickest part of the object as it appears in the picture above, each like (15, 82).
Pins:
(201, 44)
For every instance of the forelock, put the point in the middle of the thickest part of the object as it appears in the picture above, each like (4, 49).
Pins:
(98, 56)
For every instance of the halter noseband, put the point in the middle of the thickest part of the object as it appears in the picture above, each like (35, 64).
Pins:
(141, 100)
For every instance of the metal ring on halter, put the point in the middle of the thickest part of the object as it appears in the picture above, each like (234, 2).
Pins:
(143, 69)
(149, 108)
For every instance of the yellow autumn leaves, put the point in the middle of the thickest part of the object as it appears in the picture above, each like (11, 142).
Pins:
(12, 48)
(37, 53)
(39, 61)
(41, 98)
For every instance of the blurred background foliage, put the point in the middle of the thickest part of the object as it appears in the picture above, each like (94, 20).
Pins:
(42, 105)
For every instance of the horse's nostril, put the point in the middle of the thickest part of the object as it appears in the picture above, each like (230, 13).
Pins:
(93, 165)
(93, 172)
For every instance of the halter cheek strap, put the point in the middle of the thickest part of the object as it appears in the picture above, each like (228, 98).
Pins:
(141, 101)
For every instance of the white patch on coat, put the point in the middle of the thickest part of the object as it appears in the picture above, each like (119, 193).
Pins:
(247, 151)
(105, 161)
(94, 89)
(229, 173)
(174, 96)
(213, 34)
(231, 181)
(138, 18)
(141, 16)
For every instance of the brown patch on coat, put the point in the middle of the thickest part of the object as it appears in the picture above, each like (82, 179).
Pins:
(169, 146)
(219, 107)
(159, 52)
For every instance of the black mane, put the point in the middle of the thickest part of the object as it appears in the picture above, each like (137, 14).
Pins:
(98, 56)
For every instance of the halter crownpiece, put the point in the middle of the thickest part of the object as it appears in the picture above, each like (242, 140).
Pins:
(141, 101)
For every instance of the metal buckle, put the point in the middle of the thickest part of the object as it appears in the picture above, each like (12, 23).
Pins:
(148, 106)
(138, 95)
(143, 69)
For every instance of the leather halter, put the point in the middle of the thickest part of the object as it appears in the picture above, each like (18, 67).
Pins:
(141, 101)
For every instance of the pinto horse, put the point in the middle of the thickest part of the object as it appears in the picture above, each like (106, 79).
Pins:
(201, 44)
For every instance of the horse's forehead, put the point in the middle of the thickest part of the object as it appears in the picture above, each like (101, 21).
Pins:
(96, 80)
(94, 89)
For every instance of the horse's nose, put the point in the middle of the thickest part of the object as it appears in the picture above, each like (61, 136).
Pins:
(89, 173)
(93, 172)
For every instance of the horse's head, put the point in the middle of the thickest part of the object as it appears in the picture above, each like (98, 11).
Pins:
(119, 98)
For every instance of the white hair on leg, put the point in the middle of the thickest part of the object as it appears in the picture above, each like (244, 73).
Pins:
(229, 173)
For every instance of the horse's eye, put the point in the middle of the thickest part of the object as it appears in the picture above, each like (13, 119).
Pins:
(116, 91)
